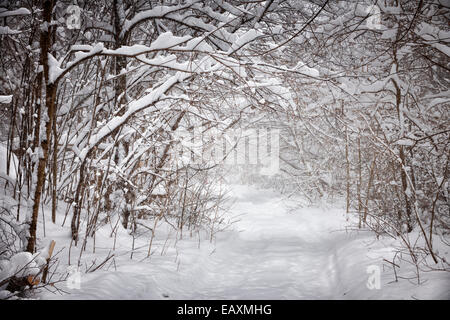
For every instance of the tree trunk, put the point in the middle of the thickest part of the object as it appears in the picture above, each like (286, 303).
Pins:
(50, 95)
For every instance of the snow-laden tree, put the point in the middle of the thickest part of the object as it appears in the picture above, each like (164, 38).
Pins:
(108, 98)
(376, 121)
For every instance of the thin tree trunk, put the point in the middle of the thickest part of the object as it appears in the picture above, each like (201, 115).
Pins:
(358, 190)
(50, 94)
(347, 171)
(369, 185)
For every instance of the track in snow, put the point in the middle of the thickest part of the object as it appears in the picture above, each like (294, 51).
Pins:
(272, 253)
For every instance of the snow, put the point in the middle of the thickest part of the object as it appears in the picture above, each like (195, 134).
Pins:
(13, 165)
(158, 190)
(442, 47)
(55, 70)
(134, 107)
(301, 67)
(433, 36)
(18, 12)
(165, 40)
(389, 34)
(405, 142)
(435, 102)
(80, 47)
(22, 264)
(244, 39)
(7, 30)
(274, 250)
(156, 12)
(5, 99)
(182, 60)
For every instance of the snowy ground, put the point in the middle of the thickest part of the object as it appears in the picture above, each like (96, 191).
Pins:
(274, 251)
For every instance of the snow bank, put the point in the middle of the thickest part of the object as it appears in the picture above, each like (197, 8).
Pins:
(274, 250)
(20, 265)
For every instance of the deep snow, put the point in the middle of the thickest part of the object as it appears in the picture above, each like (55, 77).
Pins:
(274, 250)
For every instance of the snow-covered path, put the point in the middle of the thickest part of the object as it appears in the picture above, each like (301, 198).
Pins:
(273, 255)
(271, 252)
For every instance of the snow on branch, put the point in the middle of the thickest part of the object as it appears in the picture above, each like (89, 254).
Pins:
(19, 12)
(8, 30)
(157, 12)
(6, 99)
(55, 70)
(135, 106)
(434, 37)
(94, 24)
(165, 42)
